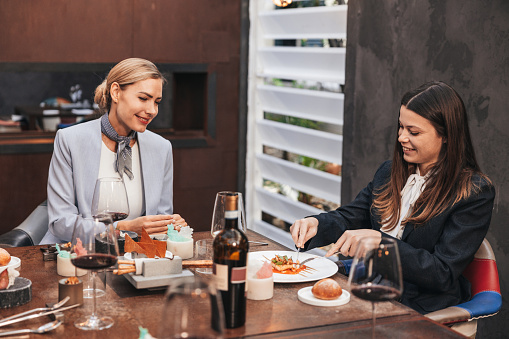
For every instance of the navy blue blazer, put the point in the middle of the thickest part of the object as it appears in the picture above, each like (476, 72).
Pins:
(434, 255)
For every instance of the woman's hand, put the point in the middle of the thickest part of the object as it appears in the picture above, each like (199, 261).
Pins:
(303, 229)
(152, 223)
(348, 242)
(178, 222)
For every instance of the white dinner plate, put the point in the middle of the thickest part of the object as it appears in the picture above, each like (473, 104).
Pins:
(306, 296)
(320, 267)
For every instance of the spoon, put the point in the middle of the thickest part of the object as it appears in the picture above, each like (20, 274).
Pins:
(43, 329)
(54, 307)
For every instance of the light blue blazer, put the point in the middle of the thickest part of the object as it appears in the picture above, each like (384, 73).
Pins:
(74, 169)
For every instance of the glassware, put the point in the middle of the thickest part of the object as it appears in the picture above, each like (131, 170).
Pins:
(375, 273)
(192, 309)
(86, 255)
(110, 198)
(218, 214)
(88, 284)
(203, 250)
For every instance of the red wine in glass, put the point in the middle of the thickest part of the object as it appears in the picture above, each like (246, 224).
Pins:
(376, 292)
(115, 216)
(94, 261)
(375, 274)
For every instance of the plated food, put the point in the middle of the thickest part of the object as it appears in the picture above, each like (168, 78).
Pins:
(8, 272)
(5, 258)
(285, 265)
(321, 267)
(148, 246)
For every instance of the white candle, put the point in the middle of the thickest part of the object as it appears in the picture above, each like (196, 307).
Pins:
(66, 269)
(183, 249)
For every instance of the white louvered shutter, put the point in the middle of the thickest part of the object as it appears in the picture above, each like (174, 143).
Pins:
(313, 65)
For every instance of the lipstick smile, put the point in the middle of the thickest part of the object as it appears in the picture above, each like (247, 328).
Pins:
(144, 121)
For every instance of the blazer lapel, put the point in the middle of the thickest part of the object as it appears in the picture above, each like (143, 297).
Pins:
(409, 228)
(148, 173)
(92, 153)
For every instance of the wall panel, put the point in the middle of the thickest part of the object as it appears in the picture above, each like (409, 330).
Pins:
(394, 46)
(86, 31)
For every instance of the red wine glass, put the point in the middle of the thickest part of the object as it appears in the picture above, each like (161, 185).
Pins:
(110, 197)
(86, 255)
(375, 274)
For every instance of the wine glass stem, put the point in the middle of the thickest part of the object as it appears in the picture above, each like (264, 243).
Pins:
(374, 319)
(94, 292)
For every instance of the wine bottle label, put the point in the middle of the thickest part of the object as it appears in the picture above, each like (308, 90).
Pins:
(221, 276)
(231, 214)
(238, 275)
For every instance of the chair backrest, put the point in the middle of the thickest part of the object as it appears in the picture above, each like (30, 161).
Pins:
(31, 231)
(482, 273)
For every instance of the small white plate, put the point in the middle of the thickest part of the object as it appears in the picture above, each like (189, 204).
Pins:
(306, 296)
(14, 263)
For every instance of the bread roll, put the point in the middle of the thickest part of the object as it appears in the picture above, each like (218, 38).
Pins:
(327, 289)
(5, 257)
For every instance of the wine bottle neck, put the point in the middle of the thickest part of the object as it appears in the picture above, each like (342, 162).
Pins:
(231, 219)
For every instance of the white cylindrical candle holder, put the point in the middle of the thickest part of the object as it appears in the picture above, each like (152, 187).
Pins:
(258, 289)
(66, 269)
(183, 249)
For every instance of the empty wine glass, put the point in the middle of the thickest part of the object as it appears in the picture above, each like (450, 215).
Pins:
(375, 273)
(218, 214)
(192, 309)
(86, 255)
(110, 197)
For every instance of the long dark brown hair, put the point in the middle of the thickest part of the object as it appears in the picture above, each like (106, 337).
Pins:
(450, 177)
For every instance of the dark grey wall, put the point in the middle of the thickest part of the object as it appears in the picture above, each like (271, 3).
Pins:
(396, 45)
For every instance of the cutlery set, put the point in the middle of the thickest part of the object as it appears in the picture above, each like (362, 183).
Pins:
(36, 313)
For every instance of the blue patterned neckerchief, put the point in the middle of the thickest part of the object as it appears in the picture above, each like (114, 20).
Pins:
(124, 163)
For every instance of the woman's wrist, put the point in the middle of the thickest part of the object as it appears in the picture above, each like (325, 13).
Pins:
(122, 225)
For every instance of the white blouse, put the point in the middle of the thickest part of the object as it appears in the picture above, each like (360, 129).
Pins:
(133, 187)
(409, 195)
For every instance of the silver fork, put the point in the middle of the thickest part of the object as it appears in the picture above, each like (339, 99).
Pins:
(40, 309)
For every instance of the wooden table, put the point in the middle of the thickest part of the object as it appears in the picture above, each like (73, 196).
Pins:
(283, 316)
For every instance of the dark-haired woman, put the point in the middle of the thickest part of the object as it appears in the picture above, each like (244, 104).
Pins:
(432, 197)
(116, 145)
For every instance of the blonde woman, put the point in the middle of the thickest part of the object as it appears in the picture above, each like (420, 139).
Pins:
(116, 145)
(432, 198)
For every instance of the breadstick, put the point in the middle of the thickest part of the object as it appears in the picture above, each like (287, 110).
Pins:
(126, 267)
(120, 272)
(197, 264)
(127, 262)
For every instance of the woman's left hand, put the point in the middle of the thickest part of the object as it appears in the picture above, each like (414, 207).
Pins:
(348, 242)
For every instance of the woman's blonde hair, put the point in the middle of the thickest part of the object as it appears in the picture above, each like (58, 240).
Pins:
(125, 73)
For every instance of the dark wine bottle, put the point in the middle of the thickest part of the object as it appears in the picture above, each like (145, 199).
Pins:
(230, 264)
